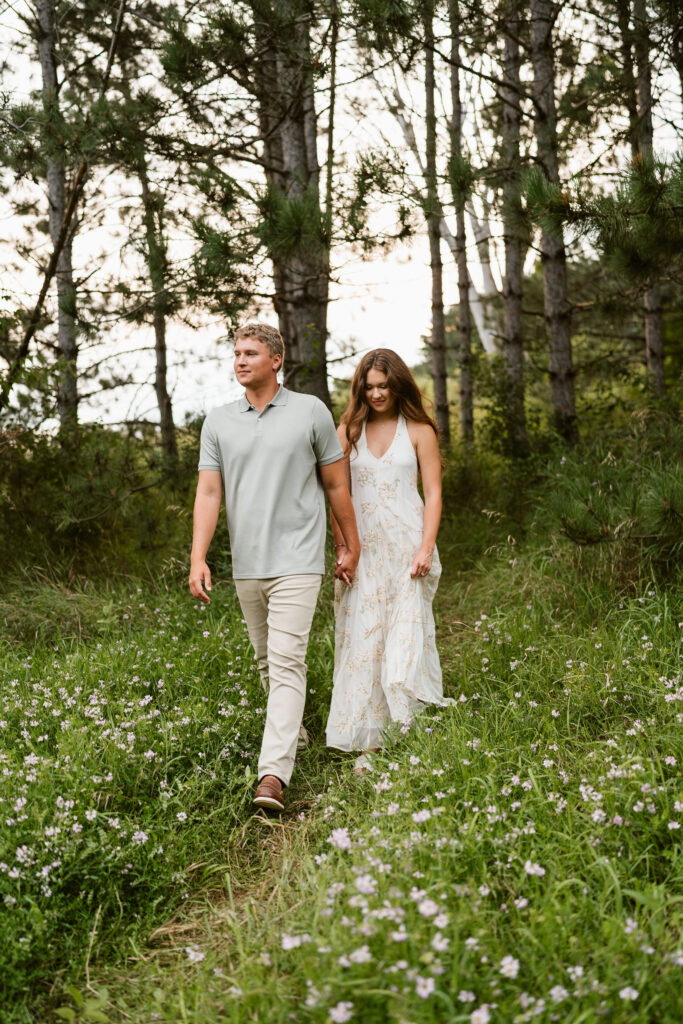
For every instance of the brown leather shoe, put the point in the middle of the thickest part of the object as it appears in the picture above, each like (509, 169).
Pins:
(269, 794)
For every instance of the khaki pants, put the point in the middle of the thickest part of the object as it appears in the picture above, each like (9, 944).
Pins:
(279, 613)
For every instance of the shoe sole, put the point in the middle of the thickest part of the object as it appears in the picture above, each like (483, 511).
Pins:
(268, 801)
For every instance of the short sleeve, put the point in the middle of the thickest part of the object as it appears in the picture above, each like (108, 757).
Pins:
(325, 441)
(209, 452)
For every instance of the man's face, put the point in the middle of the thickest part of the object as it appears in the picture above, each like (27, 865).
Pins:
(254, 364)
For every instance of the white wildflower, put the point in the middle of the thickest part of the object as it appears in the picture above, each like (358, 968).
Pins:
(628, 994)
(340, 838)
(509, 967)
(342, 1012)
(424, 986)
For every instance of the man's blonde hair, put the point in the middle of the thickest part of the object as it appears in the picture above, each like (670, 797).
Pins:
(270, 336)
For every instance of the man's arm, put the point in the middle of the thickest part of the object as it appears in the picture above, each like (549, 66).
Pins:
(337, 535)
(337, 490)
(207, 505)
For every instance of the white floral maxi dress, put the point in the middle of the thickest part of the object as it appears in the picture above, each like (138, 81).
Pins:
(385, 661)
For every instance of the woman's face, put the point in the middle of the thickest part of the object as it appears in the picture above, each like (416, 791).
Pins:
(377, 392)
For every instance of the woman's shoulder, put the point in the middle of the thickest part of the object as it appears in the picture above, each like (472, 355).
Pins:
(419, 431)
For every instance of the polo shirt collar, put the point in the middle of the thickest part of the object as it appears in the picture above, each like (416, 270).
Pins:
(281, 397)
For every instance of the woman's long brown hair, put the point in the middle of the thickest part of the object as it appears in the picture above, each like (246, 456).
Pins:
(406, 393)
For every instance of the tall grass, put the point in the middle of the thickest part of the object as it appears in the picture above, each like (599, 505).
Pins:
(513, 856)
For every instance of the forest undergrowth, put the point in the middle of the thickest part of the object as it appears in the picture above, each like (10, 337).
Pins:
(513, 856)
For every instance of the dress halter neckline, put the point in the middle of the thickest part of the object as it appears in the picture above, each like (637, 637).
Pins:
(378, 458)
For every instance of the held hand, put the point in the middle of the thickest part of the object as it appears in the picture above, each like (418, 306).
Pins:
(345, 565)
(422, 563)
(200, 578)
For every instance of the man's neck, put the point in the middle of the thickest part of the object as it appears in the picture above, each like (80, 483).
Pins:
(260, 396)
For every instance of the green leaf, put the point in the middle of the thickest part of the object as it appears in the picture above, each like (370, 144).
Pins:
(95, 1014)
(75, 995)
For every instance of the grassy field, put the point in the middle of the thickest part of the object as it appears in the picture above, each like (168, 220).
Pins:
(514, 856)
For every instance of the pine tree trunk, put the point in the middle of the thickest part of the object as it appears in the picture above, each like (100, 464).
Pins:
(433, 216)
(652, 299)
(512, 281)
(464, 312)
(289, 128)
(677, 50)
(628, 77)
(67, 386)
(553, 255)
(155, 255)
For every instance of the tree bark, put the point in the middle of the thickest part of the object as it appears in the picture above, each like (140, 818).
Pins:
(511, 213)
(652, 299)
(433, 217)
(464, 313)
(301, 269)
(67, 344)
(553, 254)
(155, 254)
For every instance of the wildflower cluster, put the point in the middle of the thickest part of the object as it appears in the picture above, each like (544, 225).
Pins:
(480, 873)
(109, 756)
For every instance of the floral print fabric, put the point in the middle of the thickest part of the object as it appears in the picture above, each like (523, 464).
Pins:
(386, 665)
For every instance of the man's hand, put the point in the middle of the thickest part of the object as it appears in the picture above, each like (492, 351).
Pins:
(345, 565)
(200, 578)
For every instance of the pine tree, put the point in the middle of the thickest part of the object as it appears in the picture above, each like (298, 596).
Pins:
(433, 214)
(45, 35)
(553, 254)
(57, 142)
(511, 212)
(652, 299)
(458, 165)
(263, 47)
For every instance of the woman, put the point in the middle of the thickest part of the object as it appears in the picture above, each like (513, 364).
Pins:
(386, 664)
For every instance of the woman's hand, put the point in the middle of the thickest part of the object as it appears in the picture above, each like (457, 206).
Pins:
(345, 563)
(422, 563)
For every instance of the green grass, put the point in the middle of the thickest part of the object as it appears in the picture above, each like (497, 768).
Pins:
(510, 858)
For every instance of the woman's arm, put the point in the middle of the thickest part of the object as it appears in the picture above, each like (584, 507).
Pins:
(336, 529)
(429, 461)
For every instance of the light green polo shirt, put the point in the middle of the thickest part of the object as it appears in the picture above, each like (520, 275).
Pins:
(273, 495)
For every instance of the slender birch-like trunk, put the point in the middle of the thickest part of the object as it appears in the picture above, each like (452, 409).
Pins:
(67, 344)
(433, 216)
(156, 258)
(652, 299)
(464, 313)
(553, 254)
(510, 93)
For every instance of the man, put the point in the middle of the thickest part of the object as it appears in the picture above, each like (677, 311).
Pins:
(275, 453)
